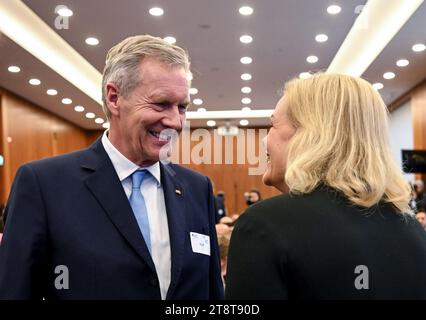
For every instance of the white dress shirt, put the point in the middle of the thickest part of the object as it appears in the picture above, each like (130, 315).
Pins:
(153, 194)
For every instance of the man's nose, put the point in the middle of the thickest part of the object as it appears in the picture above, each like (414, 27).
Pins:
(173, 119)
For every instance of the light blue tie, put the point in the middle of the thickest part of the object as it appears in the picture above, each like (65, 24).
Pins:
(137, 203)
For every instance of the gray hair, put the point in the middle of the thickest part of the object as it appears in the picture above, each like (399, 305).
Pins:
(122, 62)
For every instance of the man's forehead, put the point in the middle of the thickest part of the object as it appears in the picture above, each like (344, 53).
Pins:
(148, 64)
(164, 78)
(168, 92)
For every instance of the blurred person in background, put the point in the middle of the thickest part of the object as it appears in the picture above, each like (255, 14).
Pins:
(420, 196)
(1, 221)
(220, 205)
(421, 218)
(413, 198)
(227, 221)
(252, 196)
(223, 237)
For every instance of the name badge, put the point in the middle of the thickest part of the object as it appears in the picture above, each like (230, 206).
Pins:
(200, 243)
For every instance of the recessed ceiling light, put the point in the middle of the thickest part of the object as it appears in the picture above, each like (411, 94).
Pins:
(246, 10)
(90, 115)
(193, 91)
(245, 89)
(419, 47)
(389, 75)
(246, 60)
(321, 37)
(201, 110)
(170, 39)
(52, 92)
(402, 63)
(362, 46)
(312, 59)
(34, 82)
(66, 101)
(211, 123)
(246, 100)
(92, 41)
(244, 122)
(99, 120)
(64, 11)
(246, 38)
(246, 76)
(79, 108)
(156, 11)
(105, 125)
(246, 109)
(14, 69)
(334, 9)
(197, 102)
(378, 86)
(305, 75)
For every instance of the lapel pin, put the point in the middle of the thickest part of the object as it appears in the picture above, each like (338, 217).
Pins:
(178, 192)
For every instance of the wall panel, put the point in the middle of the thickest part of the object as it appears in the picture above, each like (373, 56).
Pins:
(418, 112)
(234, 164)
(31, 133)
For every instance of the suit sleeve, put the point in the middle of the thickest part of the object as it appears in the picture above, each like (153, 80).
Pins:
(24, 245)
(256, 263)
(216, 285)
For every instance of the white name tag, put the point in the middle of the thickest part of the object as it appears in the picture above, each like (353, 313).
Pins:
(200, 243)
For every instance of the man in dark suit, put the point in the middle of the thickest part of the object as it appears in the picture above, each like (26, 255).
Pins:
(112, 221)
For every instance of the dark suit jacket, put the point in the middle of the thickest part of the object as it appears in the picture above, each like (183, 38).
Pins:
(72, 210)
(309, 246)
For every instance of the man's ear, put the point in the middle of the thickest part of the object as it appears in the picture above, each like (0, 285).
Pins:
(112, 95)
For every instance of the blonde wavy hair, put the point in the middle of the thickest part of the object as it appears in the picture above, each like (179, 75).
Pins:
(341, 140)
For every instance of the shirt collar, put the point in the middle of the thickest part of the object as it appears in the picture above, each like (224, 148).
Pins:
(123, 166)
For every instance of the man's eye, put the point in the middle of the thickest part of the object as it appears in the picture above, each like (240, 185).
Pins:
(182, 108)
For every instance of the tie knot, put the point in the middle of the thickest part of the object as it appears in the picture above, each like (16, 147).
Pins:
(137, 178)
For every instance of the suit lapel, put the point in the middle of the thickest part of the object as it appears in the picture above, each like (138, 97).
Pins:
(106, 187)
(174, 196)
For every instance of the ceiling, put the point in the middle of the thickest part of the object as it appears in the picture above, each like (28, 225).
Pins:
(283, 34)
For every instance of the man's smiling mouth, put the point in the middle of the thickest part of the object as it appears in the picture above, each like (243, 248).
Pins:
(160, 136)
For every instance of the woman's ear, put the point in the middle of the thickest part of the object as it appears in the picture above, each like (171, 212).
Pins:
(112, 94)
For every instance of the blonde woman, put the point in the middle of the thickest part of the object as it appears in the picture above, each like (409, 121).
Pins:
(344, 230)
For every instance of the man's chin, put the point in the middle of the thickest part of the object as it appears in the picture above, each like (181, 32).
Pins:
(150, 158)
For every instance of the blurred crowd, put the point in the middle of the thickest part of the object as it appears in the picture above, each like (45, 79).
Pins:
(225, 224)
(418, 201)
